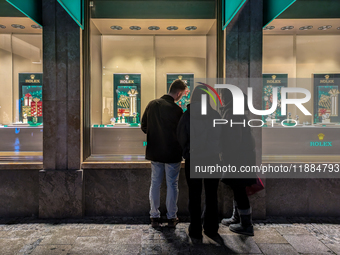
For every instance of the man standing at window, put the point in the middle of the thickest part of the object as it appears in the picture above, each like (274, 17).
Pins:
(159, 123)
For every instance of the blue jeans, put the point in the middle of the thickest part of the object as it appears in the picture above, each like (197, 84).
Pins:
(171, 173)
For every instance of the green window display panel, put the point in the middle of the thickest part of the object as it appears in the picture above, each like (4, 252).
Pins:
(127, 98)
(188, 80)
(30, 98)
(271, 81)
(326, 98)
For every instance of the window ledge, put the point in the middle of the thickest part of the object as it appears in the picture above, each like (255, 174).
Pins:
(21, 165)
(117, 162)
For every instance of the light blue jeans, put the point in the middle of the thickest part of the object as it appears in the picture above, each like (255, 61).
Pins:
(157, 173)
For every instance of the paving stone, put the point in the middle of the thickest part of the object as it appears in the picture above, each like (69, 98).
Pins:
(95, 232)
(124, 249)
(306, 244)
(12, 245)
(62, 231)
(268, 236)
(100, 235)
(293, 231)
(90, 245)
(19, 234)
(51, 250)
(209, 249)
(175, 248)
(223, 230)
(61, 236)
(240, 244)
(52, 239)
(334, 247)
(277, 249)
(151, 249)
(126, 236)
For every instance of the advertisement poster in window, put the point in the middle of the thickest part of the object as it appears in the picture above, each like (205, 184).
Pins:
(271, 81)
(30, 98)
(127, 94)
(326, 98)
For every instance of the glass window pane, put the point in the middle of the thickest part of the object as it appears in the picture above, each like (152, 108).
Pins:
(309, 57)
(130, 68)
(21, 101)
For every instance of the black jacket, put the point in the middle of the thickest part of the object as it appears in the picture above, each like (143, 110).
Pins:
(183, 133)
(207, 138)
(159, 123)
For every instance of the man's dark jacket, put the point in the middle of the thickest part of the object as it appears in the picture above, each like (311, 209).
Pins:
(159, 123)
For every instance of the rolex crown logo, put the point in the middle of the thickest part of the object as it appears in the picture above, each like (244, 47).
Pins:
(274, 77)
(32, 76)
(180, 77)
(127, 77)
(321, 136)
(327, 77)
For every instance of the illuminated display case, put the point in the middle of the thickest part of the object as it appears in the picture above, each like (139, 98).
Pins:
(310, 59)
(130, 68)
(21, 102)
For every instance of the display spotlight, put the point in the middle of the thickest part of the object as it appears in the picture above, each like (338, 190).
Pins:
(18, 26)
(116, 27)
(36, 26)
(172, 28)
(338, 28)
(325, 27)
(191, 28)
(269, 28)
(153, 28)
(135, 28)
(2, 26)
(287, 28)
(306, 27)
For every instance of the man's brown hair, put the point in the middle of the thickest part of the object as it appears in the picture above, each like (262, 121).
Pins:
(177, 86)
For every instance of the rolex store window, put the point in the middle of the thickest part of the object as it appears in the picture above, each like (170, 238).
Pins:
(21, 102)
(303, 53)
(134, 62)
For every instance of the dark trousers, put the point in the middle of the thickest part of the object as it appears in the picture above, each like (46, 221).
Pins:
(210, 218)
(241, 197)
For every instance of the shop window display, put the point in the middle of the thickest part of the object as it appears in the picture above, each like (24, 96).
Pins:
(308, 58)
(21, 102)
(129, 68)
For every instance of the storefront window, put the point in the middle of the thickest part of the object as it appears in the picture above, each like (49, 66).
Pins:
(303, 54)
(134, 62)
(21, 102)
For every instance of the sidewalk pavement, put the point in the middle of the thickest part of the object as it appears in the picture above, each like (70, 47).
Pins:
(134, 236)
